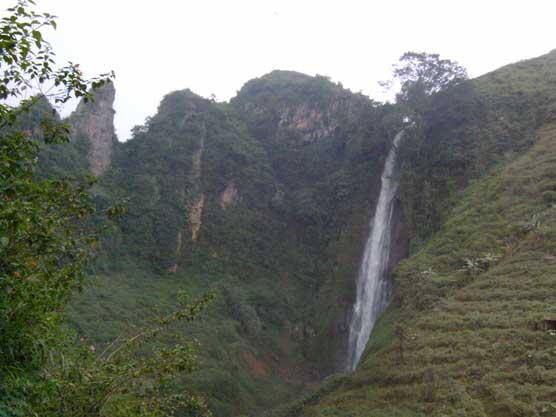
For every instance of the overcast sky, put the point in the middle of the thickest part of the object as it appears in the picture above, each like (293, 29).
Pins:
(215, 46)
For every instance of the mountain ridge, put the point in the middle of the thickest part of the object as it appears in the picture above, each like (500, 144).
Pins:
(267, 200)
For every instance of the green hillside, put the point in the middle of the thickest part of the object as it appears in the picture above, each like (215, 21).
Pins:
(231, 258)
(465, 334)
(266, 201)
(459, 337)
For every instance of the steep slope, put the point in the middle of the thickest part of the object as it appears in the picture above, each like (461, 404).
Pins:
(469, 129)
(67, 159)
(267, 199)
(270, 217)
(91, 135)
(466, 332)
(464, 335)
(326, 147)
(93, 123)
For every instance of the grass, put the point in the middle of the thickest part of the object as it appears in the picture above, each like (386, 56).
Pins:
(239, 366)
(469, 348)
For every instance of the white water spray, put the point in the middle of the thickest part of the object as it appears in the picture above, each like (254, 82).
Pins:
(373, 286)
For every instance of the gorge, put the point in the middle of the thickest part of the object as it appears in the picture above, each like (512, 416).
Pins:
(293, 204)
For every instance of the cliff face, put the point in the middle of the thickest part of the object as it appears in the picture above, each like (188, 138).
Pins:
(266, 200)
(93, 122)
(326, 146)
(286, 104)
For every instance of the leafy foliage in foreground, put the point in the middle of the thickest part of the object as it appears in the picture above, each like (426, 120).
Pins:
(46, 240)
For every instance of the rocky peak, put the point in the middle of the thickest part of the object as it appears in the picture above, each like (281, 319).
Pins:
(313, 107)
(94, 121)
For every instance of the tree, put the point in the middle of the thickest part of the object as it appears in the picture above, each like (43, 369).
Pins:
(27, 64)
(434, 93)
(428, 71)
(421, 75)
(41, 251)
(45, 242)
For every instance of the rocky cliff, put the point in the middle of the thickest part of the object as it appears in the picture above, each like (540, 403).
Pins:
(265, 200)
(93, 122)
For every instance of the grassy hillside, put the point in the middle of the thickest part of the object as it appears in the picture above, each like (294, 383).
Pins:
(469, 129)
(462, 336)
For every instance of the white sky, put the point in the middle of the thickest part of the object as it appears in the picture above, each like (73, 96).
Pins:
(215, 46)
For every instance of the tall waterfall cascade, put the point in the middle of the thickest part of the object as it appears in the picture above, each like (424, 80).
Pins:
(373, 284)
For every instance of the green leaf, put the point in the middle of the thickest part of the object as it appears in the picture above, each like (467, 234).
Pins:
(37, 36)
(4, 241)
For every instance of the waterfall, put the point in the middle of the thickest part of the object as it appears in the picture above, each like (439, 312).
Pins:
(373, 286)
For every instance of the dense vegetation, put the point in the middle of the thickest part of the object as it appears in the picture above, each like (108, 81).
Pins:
(46, 239)
(467, 129)
(263, 203)
(464, 333)
(275, 243)
(305, 169)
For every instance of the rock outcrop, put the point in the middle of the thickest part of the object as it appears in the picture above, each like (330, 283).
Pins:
(197, 203)
(315, 121)
(311, 108)
(229, 196)
(195, 216)
(93, 122)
